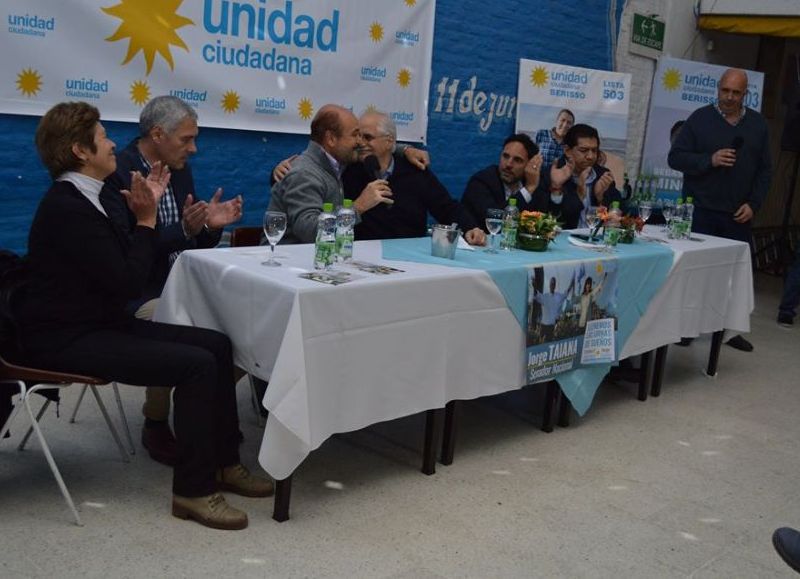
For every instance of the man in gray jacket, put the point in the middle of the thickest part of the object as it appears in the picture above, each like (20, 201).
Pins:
(316, 175)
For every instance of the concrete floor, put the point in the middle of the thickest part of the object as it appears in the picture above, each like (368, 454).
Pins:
(690, 484)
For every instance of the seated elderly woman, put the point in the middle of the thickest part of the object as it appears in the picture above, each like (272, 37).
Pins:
(72, 313)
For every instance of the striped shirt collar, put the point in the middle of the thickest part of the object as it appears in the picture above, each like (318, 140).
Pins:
(742, 112)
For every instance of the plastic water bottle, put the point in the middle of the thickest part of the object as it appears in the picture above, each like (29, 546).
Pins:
(510, 225)
(325, 245)
(688, 213)
(677, 226)
(345, 221)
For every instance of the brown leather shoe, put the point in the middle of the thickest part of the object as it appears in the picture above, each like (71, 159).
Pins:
(237, 479)
(211, 511)
(160, 443)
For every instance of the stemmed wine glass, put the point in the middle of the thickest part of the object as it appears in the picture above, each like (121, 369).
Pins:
(591, 220)
(645, 209)
(666, 209)
(274, 228)
(494, 223)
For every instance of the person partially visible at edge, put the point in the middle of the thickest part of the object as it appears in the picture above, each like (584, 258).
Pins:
(723, 152)
(517, 175)
(72, 318)
(551, 141)
(167, 135)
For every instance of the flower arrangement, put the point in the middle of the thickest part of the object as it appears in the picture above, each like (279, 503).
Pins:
(628, 225)
(538, 223)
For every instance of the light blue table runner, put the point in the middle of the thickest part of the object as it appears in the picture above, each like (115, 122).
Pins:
(642, 269)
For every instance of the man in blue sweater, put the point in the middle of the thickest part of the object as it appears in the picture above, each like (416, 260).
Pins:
(723, 152)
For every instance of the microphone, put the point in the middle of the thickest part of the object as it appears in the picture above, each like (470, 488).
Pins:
(373, 167)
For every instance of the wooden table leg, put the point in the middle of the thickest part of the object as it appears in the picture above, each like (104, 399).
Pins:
(565, 409)
(658, 370)
(551, 397)
(644, 376)
(713, 356)
(429, 446)
(449, 434)
(283, 494)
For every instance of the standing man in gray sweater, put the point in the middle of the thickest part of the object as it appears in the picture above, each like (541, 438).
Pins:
(723, 152)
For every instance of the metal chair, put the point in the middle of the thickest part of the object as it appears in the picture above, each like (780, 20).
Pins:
(122, 416)
(23, 376)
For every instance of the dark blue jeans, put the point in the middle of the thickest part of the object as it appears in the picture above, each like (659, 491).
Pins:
(791, 288)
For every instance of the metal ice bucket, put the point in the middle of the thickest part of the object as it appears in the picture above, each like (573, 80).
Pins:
(444, 240)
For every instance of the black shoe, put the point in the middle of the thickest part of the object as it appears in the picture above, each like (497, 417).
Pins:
(740, 343)
(785, 320)
(787, 543)
(685, 342)
(160, 443)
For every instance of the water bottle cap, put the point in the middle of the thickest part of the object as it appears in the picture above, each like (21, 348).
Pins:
(615, 205)
(327, 207)
(348, 203)
(680, 201)
(689, 199)
(512, 201)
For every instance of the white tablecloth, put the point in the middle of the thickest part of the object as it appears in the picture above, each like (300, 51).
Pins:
(380, 347)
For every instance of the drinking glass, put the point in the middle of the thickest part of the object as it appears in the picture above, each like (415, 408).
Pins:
(591, 220)
(666, 209)
(274, 228)
(645, 209)
(494, 223)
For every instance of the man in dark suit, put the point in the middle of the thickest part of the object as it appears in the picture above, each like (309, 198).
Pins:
(517, 175)
(410, 193)
(577, 182)
(168, 130)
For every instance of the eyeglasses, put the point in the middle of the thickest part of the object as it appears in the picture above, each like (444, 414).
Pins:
(369, 138)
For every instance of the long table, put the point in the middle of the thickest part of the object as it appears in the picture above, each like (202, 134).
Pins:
(339, 358)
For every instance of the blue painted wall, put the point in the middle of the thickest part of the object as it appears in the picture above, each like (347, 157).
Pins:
(474, 40)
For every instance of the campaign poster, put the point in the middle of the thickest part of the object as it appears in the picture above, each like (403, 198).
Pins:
(599, 98)
(679, 88)
(572, 317)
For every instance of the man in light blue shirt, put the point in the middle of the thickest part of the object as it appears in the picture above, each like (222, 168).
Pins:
(551, 307)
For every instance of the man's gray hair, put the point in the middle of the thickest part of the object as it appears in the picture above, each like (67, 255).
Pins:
(165, 111)
(385, 124)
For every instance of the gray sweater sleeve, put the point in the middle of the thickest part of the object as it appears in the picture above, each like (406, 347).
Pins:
(684, 157)
(302, 196)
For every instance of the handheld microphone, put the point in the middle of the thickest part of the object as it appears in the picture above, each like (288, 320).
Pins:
(373, 167)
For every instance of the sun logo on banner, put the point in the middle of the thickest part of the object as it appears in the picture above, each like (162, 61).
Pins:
(370, 109)
(599, 267)
(376, 32)
(29, 82)
(140, 92)
(404, 77)
(411, 3)
(539, 76)
(151, 26)
(230, 101)
(305, 109)
(671, 79)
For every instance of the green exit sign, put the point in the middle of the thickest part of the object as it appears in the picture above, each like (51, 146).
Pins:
(647, 32)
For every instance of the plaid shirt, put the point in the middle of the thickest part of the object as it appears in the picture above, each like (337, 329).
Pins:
(741, 114)
(167, 210)
(548, 146)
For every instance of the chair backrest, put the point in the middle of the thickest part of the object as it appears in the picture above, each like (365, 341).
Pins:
(246, 236)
